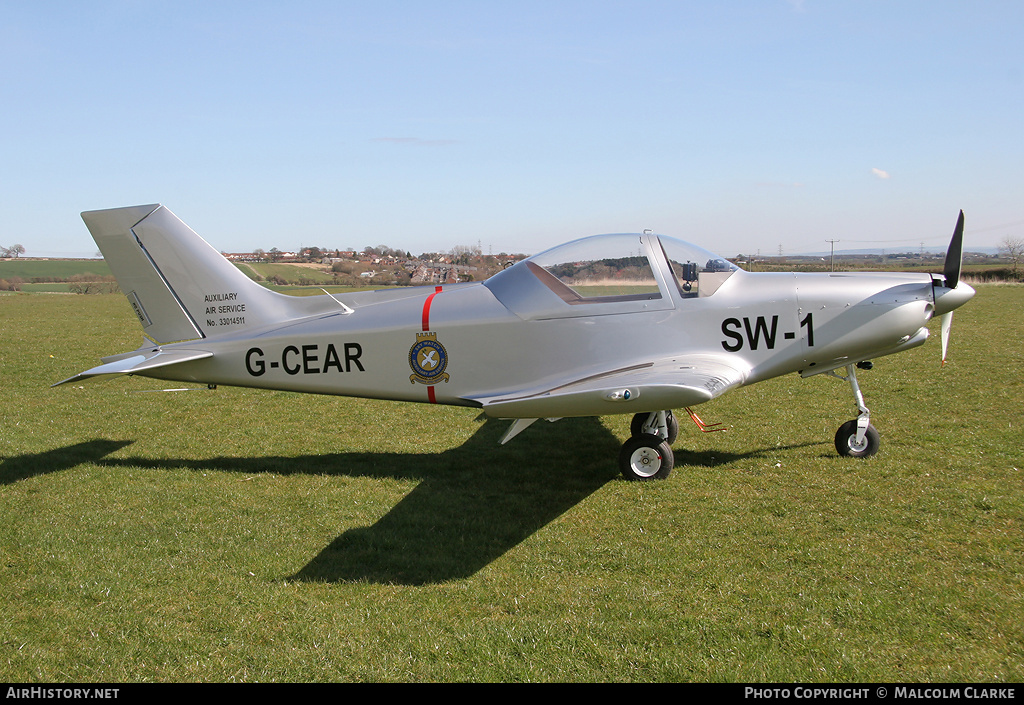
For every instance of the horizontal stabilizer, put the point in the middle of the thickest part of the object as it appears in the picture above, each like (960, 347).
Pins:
(139, 362)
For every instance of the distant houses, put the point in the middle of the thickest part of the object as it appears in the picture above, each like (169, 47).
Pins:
(440, 271)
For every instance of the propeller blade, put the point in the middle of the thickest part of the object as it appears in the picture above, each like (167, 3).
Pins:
(947, 324)
(954, 255)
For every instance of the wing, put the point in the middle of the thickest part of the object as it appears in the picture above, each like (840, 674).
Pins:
(138, 362)
(652, 386)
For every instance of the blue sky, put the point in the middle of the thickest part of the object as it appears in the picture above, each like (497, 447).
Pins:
(741, 126)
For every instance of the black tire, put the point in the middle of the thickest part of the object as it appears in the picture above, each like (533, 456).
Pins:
(646, 457)
(636, 426)
(846, 441)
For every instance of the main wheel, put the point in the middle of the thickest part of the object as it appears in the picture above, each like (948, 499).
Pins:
(646, 457)
(846, 441)
(636, 426)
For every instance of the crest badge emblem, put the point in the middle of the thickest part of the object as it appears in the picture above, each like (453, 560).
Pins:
(428, 360)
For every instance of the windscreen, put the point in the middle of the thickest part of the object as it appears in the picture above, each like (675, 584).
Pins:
(599, 269)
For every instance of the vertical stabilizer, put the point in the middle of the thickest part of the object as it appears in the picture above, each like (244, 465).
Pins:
(179, 286)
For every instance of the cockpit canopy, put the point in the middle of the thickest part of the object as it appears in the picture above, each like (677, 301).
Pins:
(609, 274)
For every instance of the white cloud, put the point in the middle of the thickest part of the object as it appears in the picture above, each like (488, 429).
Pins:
(880, 174)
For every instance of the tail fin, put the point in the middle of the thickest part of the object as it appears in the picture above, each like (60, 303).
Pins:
(179, 286)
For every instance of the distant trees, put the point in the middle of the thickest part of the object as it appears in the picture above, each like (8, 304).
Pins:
(11, 283)
(384, 251)
(91, 284)
(345, 268)
(1012, 248)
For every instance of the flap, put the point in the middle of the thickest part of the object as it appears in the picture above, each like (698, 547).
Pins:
(669, 383)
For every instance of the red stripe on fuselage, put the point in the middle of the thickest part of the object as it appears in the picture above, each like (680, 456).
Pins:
(426, 308)
(431, 397)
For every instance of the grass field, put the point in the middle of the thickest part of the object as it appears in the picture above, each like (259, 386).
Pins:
(52, 269)
(289, 272)
(239, 535)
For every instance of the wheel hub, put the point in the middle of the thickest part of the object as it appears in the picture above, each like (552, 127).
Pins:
(855, 446)
(646, 461)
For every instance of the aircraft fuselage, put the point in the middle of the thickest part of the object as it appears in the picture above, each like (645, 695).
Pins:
(449, 345)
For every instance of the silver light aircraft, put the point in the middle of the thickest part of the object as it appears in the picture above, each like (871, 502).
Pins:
(613, 324)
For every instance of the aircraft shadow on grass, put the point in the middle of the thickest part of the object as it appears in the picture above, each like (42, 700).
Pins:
(22, 467)
(472, 504)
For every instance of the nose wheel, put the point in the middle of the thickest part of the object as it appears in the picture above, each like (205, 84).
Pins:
(849, 445)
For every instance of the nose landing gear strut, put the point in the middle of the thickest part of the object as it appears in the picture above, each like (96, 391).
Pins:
(856, 438)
